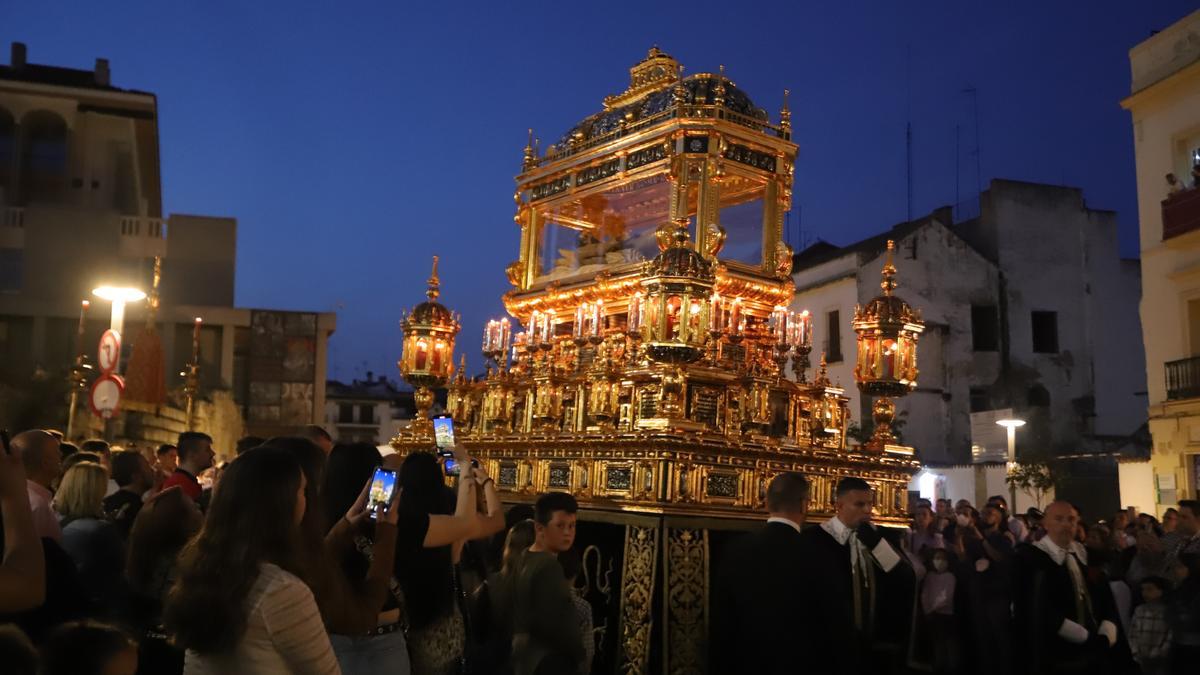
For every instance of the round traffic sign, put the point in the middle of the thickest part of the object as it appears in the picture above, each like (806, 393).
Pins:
(105, 397)
(109, 354)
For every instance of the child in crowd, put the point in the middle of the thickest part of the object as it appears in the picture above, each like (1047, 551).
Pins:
(937, 608)
(1149, 636)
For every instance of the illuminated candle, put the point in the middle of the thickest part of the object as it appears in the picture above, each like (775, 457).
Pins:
(535, 325)
(597, 318)
(487, 337)
(582, 312)
(805, 328)
(779, 324)
(714, 313)
(735, 323)
(504, 330)
(422, 354)
(196, 340)
(635, 313)
(83, 308)
(548, 326)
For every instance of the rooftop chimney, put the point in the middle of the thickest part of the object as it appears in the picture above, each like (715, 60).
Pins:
(101, 72)
(370, 377)
(17, 60)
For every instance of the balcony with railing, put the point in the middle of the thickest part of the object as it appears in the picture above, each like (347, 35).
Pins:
(1181, 214)
(143, 237)
(1183, 378)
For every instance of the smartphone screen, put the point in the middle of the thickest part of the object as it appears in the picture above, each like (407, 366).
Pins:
(443, 434)
(451, 467)
(383, 486)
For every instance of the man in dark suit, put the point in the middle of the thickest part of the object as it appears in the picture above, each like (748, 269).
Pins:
(758, 592)
(859, 590)
(1064, 622)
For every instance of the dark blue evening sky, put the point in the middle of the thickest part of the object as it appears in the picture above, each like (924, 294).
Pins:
(354, 140)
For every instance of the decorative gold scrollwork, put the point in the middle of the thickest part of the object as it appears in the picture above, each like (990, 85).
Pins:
(637, 588)
(686, 594)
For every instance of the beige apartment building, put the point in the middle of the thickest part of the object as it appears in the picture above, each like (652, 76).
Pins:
(81, 206)
(1164, 102)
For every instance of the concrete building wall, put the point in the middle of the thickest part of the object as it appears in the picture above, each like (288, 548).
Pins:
(201, 259)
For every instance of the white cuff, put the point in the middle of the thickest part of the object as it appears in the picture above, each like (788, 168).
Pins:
(1108, 630)
(885, 555)
(1072, 632)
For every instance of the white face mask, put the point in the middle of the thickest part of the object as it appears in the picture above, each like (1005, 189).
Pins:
(940, 564)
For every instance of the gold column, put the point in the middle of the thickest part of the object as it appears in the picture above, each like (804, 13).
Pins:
(637, 592)
(708, 210)
(685, 595)
(772, 225)
(531, 237)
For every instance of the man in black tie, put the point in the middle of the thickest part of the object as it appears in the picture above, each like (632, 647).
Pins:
(758, 600)
(1064, 622)
(859, 590)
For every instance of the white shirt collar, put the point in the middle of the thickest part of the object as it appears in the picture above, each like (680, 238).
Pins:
(790, 523)
(1059, 554)
(838, 530)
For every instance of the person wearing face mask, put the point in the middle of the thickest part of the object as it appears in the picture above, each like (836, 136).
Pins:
(865, 588)
(1067, 623)
(937, 611)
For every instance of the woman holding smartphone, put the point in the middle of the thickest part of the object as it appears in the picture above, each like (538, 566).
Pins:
(427, 575)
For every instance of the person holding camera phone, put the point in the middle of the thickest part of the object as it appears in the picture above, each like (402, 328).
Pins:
(865, 587)
(426, 573)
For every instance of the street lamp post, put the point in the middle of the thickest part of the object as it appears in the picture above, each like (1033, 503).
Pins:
(118, 296)
(1010, 425)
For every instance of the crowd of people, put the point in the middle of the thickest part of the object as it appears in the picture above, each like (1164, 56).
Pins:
(963, 590)
(118, 562)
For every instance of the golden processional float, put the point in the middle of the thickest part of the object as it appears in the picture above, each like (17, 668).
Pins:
(647, 369)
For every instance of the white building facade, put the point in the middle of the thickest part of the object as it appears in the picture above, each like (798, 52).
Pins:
(1028, 306)
(1164, 104)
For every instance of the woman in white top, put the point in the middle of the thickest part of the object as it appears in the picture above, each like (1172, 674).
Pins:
(240, 604)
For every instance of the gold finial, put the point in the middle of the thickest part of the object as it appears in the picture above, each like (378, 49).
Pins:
(785, 115)
(823, 373)
(530, 157)
(434, 283)
(889, 270)
(680, 91)
(719, 90)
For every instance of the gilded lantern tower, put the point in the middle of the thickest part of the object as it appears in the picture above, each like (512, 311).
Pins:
(644, 363)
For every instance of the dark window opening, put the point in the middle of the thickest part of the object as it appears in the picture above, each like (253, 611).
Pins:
(833, 344)
(980, 401)
(985, 328)
(1038, 397)
(1045, 332)
(345, 413)
(366, 414)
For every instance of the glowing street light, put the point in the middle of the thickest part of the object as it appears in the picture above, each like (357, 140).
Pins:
(118, 296)
(1010, 425)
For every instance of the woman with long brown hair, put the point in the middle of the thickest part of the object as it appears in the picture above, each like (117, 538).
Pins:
(162, 527)
(241, 603)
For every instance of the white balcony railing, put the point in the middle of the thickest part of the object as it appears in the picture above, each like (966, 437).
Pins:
(143, 226)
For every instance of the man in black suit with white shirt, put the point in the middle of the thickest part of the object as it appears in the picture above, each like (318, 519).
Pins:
(758, 595)
(859, 589)
(1065, 621)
